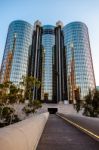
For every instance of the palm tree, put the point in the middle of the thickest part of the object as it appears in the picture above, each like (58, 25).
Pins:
(28, 83)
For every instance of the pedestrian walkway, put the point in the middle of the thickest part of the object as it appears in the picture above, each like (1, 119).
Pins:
(60, 135)
(91, 124)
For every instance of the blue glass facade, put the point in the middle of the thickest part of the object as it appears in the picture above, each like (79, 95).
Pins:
(59, 57)
(48, 42)
(76, 41)
(23, 32)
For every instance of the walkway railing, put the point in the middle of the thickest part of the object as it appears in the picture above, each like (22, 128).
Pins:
(24, 135)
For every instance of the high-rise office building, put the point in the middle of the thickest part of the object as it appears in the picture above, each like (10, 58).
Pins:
(80, 73)
(59, 57)
(48, 42)
(59, 65)
(47, 57)
(15, 58)
(35, 58)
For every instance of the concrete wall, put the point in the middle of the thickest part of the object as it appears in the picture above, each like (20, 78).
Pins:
(24, 135)
(62, 108)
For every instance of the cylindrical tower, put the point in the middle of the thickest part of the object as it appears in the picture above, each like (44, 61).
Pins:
(15, 58)
(48, 42)
(78, 59)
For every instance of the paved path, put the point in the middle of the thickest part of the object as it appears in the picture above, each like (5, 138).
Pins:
(91, 124)
(60, 135)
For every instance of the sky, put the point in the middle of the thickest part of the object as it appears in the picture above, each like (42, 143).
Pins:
(49, 12)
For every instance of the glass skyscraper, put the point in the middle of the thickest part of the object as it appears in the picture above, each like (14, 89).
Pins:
(59, 66)
(58, 56)
(15, 59)
(78, 59)
(48, 42)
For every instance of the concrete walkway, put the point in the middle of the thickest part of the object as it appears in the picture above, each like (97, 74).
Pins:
(60, 135)
(91, 124)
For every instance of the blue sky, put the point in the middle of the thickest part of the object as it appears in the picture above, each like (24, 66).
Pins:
(50, 11)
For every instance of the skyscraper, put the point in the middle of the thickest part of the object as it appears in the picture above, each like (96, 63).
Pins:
(80, 73)
(59, 65)
(15, 58)
(58, 56)
(48, 42)
(35, 57)
(47, 57)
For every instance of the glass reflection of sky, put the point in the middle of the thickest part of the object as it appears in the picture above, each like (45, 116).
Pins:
(23, 32)
(48, 41)
(77, 33)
